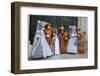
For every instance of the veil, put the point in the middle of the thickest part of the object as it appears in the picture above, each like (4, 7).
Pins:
(39, 42)
(40, 27)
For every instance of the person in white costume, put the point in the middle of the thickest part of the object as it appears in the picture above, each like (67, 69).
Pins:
(72, 42)
(55, 43)
(29, 50)
(40, 47)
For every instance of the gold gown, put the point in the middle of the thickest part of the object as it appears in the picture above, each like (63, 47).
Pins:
(80, 43)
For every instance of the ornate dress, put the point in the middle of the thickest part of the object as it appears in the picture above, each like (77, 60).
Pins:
(40, 47)
(48, 34)
(72, 42)
(62, 41)
(55, 44)
(66, 39)
(80, 42)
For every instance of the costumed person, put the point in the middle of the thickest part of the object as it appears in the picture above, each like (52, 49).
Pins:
(40, 47)
(48, 34)
(80, 41)
(72, 42)
(55, 42)
(66, 39)
(62, 43)
(29, 50)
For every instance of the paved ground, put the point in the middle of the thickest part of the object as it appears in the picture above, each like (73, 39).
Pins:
(70, 56)
(67, 56)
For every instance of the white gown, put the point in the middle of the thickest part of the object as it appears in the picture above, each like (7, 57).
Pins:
(72, 44)
(55, 45)
(40, 47)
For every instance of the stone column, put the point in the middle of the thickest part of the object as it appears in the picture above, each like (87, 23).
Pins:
(83, 25)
